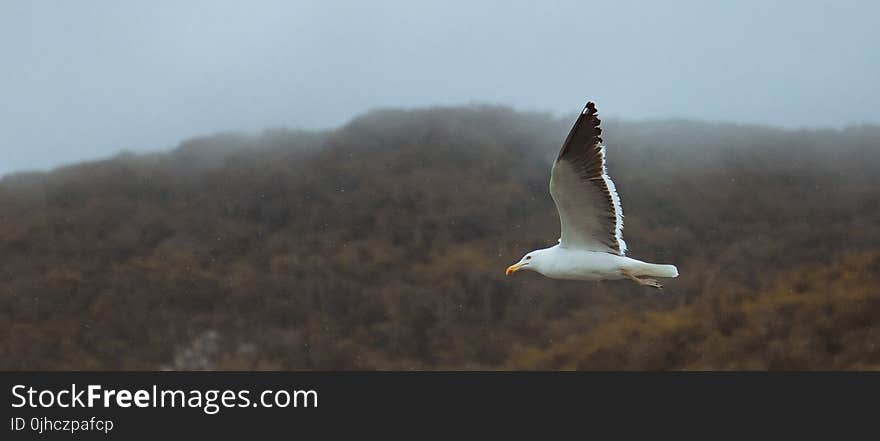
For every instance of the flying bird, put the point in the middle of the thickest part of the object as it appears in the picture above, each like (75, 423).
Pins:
(591, 245)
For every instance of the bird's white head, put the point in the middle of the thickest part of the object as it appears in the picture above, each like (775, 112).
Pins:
(531, 262)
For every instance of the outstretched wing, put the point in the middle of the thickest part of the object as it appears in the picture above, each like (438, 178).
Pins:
(588, 205)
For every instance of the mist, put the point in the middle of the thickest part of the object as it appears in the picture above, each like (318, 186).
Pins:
(86, 80)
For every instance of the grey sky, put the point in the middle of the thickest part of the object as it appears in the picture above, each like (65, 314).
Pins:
(85, 79)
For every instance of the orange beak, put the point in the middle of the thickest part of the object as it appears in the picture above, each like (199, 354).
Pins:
(514, 268)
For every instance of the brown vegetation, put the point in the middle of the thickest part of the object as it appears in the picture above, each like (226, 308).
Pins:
(382, 245)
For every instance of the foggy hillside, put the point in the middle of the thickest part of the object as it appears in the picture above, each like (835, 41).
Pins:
(383, 244)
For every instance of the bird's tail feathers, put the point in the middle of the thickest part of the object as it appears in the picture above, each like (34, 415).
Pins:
(655, 270)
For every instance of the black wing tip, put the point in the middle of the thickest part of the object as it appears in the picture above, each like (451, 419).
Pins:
(593, 116)
(590, 109)
(586, 131)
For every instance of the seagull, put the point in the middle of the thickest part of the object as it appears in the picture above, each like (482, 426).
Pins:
(591, 245)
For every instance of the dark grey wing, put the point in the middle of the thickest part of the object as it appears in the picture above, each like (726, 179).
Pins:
(589, 207)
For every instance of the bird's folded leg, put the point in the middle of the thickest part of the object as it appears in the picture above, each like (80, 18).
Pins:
(653, 283)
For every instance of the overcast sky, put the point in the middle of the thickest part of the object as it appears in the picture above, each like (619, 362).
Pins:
(86, 79)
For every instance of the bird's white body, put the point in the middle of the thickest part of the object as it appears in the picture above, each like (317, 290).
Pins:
(559, 262)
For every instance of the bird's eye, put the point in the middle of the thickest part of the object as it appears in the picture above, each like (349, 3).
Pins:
(528, 257)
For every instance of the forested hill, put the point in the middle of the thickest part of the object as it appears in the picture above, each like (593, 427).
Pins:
(383, 244)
